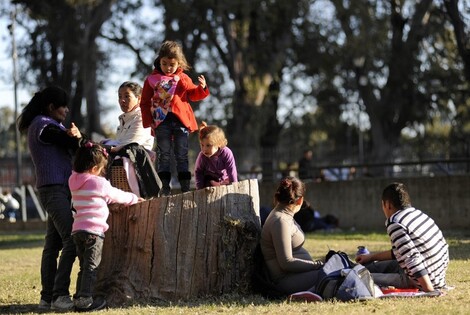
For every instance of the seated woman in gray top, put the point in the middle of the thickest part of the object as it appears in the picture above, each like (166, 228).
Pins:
(290, 266)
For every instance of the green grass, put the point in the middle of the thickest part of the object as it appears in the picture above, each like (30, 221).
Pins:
(20, 256)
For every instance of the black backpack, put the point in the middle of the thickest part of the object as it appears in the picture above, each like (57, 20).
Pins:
(261, 280)
(344, 280)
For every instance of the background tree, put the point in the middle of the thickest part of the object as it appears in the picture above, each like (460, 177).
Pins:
(62, 49)
(251, 40)
(7, 132)
(389, 59)
(460, 136)
(325, 73)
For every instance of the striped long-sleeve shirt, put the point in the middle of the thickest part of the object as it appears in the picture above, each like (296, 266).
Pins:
(91, 195)
(419, 245)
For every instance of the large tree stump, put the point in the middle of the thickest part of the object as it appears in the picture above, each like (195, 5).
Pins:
(184, 246)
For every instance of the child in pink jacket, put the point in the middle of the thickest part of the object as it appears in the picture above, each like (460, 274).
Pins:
(91, 194)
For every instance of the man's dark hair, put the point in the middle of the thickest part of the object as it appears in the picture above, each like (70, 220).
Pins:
(397, 194)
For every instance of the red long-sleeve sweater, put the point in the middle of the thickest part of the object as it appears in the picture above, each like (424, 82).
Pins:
(185, 91)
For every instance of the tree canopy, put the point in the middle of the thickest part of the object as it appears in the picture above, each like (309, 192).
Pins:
(357, 81)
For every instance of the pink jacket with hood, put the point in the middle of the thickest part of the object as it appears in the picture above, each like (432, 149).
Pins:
(91, 195)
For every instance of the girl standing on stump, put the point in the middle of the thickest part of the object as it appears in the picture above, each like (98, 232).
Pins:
(165, 107)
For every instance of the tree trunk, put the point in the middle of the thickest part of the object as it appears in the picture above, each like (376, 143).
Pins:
(93, 105)
(461, 36)
(184, 246)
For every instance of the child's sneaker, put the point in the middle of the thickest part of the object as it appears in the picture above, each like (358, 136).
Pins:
(62, 303)
(98, 304)
(44, 305)
(83, 302)
(304, 296)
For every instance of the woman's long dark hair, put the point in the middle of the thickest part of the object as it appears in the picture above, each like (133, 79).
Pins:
(38, 105)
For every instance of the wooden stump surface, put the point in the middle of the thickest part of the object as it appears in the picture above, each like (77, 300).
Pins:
(189, 245)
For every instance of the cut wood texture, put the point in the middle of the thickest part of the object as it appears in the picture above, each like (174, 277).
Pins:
(184, 246)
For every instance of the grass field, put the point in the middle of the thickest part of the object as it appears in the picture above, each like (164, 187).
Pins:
(20, 256)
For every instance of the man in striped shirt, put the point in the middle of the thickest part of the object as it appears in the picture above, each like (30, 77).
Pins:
(419, 255)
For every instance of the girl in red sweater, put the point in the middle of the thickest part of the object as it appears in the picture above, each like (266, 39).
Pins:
(165, 107)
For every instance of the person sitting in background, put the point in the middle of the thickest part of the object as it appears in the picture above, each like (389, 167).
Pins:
(215, 164)
(290, 266)
(12, 206)
(419, 256)
(310, 220)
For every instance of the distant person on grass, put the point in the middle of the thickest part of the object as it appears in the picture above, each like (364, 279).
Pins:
(51, 146)
(12, 206)
(91, 194)
(307, 170)
(419, 256)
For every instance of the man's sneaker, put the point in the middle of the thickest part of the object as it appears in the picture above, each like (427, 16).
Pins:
(63, 303)
(43, 305)
(98, 304)
(304, 296)
(83, 302)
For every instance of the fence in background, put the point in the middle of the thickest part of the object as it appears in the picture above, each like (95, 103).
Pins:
(340, 190)
(357, 203)
(340, 172)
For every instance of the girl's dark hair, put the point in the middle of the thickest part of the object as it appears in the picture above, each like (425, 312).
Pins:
(397, 195)
(136, 88)
(38, 105)
(88, 156)
(290, 189)
(171, 49)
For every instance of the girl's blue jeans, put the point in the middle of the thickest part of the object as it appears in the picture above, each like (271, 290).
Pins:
(89, 250)
(172, 133)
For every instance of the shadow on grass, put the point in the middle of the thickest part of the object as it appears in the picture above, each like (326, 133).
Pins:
(23, 309)
(459, 249)
(225, 300)
(21, 239)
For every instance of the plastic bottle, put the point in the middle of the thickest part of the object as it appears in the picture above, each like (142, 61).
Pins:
(362, 250)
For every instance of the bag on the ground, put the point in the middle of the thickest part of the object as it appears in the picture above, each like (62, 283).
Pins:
(344, 280)
(261, 280)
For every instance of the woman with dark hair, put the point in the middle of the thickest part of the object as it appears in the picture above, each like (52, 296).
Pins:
(51, 146)
(290, 266)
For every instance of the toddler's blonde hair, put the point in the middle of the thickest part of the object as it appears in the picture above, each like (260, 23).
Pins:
(214, 134)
